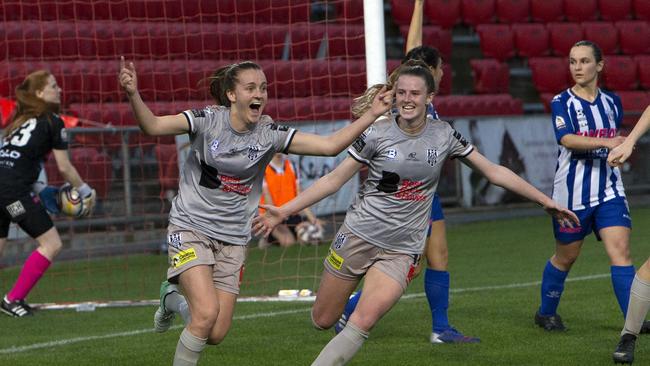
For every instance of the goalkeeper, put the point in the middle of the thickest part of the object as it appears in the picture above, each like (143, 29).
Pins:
(35, 130)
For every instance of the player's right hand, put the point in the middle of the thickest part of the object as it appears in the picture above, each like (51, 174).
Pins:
(127, 77)
(382, 102)
(264, 224)
(619, 155)
(88, 205)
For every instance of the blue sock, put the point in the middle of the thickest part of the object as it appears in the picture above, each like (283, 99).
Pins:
(552, 287)
(622, 277)
(436, 286)
(352, 304)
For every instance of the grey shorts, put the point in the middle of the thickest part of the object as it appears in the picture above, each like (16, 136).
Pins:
(188, 248)
(350, 257)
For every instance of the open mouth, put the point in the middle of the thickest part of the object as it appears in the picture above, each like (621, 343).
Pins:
(256, 106)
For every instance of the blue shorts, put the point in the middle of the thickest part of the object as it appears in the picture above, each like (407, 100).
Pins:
(436, 211)
(614, 212)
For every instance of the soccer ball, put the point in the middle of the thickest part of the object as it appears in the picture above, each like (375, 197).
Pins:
(309, 233)
(70, 202)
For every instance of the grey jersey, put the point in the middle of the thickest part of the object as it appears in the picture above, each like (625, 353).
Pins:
(393, 206)
(221, 181)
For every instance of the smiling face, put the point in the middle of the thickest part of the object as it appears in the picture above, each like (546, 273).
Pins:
(412, 97)
(51, 92)
(249, 96)
(584, 67)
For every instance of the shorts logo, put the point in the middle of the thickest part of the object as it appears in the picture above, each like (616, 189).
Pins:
(183, 257)
(16, 209)
(559, 122)
(175, 240)
(334, 259)
(432, 156)
(253, 152)
(339, 241)
(214, 145)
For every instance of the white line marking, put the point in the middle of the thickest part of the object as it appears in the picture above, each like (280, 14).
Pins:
(64, 342)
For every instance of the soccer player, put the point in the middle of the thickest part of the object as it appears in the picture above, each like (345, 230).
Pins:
(281, 185)
(34, 131)
(436, 276)
(637, 308)
(383, 234)
(219, 193)
(586, 122)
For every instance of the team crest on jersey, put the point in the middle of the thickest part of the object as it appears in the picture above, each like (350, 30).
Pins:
(253, 152)
(339, 241)
(214, 145)
(582, 119)
(559, 122)
(610, 116)
(391, 154)
(175, 240)
(16, 209)
(432, 156)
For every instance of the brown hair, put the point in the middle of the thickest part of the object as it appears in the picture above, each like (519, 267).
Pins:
(28, 105)
(224, 79)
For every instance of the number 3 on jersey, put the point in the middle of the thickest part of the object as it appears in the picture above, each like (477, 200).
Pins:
(24, 133)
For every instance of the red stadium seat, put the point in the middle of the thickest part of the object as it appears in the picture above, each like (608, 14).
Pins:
(614, 10)
(446, 83)
(306, 40)
(549, 74)
(401, 10)
(531, 39)
(490, 76)
(641, 9)
(546, 11)
(546, 101)
(634, 101)
(620, 73)
(447, 18)
(604, 34)
(564, 36)
(643, 65)
(349, 11)
(497, 41)
(580, 11)
(513, 11)
(477, 12)
(167, 156)
(634, 37)
(433, 36)
(345, 41)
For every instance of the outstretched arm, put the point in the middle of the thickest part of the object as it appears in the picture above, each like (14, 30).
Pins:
(414, 38)
(332, 145)
(322, 188)
(506, 178)
(149, 123)
(621, 153)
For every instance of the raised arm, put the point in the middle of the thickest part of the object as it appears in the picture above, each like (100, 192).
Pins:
(621, 153)
(149, 123)
(414, 38)
(322, 188)
(506, 178)
(332, 145)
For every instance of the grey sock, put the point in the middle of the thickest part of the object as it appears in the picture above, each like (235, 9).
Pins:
(188, 349)
(173, 301)
(184, 310)
(341, 349)
(638, 306)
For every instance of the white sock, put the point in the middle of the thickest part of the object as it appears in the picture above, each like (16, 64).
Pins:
(638, 306)
(188, 349)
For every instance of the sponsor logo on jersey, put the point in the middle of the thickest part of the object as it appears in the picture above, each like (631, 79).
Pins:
(214, 145)
(432, 156)
(175, 240)
(412, 157)
(278, 127)
(334, 259)
(359, 143)
(16, 209)
(599, 132)
(460, 138)
(610, 116)
(232, 184)
(198, 113)
(582, 119)
(7, 153)
(339, 241)
(253, 152)
(183, 257)
(391, 154)
(559, 122)
(409, 191)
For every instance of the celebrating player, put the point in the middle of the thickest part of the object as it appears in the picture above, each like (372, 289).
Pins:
(586, 122)
(383, 234)
(34, 131)
(639, 304)
(436, 277)
(219, 192)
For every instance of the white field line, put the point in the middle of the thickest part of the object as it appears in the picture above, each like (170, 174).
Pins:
(64, 342)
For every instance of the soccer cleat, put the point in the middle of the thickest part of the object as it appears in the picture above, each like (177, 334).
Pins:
(338, 327)
(551, 323)
(645, 328)
(17, 308)
(452, 335)
(163, 318)
(624, 352)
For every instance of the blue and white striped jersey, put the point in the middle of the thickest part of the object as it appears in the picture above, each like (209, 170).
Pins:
(583, 178)
(431, 111)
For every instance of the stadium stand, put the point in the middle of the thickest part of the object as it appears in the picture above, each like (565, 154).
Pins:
(615, 10)
(497, 41)
(477, 12)
(447, 18)
(546, 11)
(531, 39)
(513, 11)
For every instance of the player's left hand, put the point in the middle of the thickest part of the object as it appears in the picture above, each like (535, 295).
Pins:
(564, 216)
(619, 155)
(264, 224)
(382, 102)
